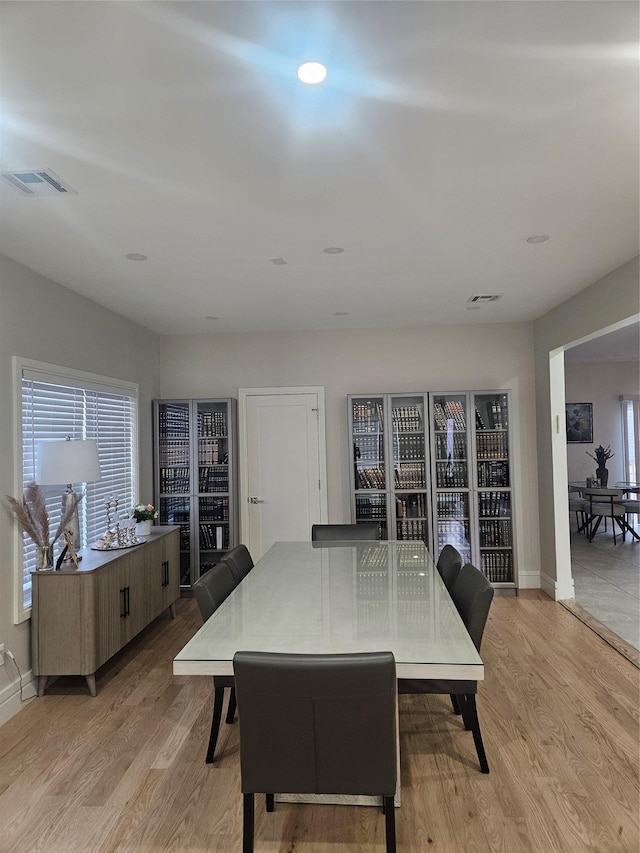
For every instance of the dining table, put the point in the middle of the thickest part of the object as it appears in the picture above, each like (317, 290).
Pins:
(334, 598)
(340, 597)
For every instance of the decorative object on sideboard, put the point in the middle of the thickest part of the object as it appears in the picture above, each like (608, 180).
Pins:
(69, 462)
(145, 515)
(33, 517)
(117, 536)
(579, 417)
(601, 454)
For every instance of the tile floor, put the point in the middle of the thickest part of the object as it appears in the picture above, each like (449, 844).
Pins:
(607, 581)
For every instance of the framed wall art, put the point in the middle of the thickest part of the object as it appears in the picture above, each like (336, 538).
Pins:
(579, 423)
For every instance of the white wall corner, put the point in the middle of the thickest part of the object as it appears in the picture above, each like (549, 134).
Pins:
(558, 590)
(10, 700)
(529, 579)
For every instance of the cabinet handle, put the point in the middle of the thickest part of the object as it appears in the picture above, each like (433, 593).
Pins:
(128, 600)
(123, 604)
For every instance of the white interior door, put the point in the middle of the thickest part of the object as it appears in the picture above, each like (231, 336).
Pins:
(282, 465)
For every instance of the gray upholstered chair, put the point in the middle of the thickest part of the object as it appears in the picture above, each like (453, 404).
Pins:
(449, 565)
(210, 590)
(580, 506)
(344, 532)
(472, 595)
(240, 562)
(316, 724)
(605, 503)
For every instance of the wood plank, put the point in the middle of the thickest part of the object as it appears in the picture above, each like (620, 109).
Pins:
(125, 771)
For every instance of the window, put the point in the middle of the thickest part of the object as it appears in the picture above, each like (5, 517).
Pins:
(631, 436)
(56, 403)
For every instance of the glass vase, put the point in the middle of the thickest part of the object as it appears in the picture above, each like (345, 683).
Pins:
(44, 557)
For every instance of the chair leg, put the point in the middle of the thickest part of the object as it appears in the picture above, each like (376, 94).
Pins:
(231, 707)
(470, 713)
(455, 704)
(270, 802)
(247, 823)
(218, 696)
(390, 823)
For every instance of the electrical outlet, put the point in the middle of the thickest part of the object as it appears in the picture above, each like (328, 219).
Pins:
(1, 654)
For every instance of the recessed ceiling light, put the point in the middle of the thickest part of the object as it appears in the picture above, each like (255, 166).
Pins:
(278, 261)
(312, 73)
(211, 318)
(340, 313)
(333, 250)
(135, 256)
(538, 238)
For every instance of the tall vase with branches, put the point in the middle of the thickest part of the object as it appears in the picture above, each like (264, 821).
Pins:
(33, 517)
(600, 455)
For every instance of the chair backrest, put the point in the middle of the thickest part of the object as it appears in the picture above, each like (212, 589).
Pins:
(323, 724)
(449, 565)
(603, 495)
(240, 562)
(472, 595)
(354, 532)
(213, 587)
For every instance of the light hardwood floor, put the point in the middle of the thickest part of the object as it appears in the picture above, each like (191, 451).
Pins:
(125, 771)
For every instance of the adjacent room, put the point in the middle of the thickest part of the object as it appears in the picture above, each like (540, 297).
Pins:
(319, 335)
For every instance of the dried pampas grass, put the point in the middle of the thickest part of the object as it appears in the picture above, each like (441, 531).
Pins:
(32, 514)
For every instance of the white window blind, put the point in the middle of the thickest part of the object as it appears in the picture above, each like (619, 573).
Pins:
(56, 407)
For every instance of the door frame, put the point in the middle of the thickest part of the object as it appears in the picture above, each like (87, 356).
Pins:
(243, 472)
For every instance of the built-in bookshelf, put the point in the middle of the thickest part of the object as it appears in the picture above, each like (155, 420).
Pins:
(494, 491)
(390, 475)
(194, 476)
(437, 467)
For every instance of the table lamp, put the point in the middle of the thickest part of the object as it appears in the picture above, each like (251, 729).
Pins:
(68, 462)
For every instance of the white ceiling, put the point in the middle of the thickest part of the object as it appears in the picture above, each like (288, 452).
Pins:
(445, 134)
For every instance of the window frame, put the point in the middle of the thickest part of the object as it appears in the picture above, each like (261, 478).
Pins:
(63, 375)
(634, 401)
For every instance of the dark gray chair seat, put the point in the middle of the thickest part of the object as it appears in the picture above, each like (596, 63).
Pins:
(316, 724)
(211, 590)
(472, 595)
(344, 532)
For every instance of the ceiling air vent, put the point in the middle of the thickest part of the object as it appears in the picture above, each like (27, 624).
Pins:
(487, 297)
(38, 182)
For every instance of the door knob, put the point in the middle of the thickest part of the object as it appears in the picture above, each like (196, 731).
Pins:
(253, 500)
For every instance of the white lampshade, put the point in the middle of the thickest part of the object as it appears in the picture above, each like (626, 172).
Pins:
(61, 462)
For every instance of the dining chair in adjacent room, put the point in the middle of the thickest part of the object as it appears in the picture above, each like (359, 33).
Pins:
(449, 565)
(580, 506)
(211, 590)
(472, 595)
(631, 508)
(343, 532)
(605, 503)
(239, 559)
(316, 724)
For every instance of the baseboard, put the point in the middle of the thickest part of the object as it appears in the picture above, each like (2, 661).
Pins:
(10, 700)
(553, 590)
(528, 580)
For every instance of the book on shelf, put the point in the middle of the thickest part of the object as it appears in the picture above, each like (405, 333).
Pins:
(407, 418)
(367, 416)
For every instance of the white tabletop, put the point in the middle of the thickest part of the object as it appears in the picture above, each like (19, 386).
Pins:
(322, 598)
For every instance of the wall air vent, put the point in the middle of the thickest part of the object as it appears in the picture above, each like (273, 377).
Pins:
(489, 297)
(37, 182)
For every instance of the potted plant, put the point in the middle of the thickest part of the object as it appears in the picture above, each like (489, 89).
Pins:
(145, 515)
(601, 454)
(34, 519)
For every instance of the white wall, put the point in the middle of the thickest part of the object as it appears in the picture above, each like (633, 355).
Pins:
(42, 320)
(443, 358)
(610, 301)
(600, 384)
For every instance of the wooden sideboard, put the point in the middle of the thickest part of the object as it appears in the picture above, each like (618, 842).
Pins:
(82, 616)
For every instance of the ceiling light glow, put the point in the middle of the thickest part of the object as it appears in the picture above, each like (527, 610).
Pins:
(312, 73)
